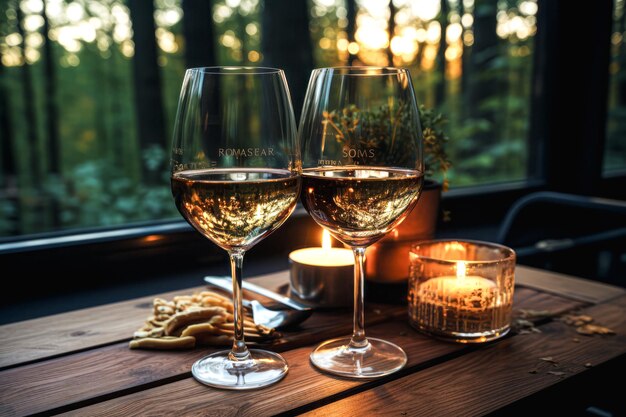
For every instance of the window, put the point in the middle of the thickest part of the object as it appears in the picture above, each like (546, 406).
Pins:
(89, 89)
(86, 112)
(470, 60)
(615, 149)
(71, 154)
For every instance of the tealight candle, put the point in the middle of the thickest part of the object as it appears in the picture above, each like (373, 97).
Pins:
(322, 276)
(461, 290)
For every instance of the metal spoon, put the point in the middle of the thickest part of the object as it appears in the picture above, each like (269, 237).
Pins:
(262, 315)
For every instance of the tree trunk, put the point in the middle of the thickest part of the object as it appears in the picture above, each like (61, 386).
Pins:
(351, 28)
(440, 88)
(102, 90)
(33, 175)
(119, 150)
(287, 44)
(28, 95)
(198, 30)
(242, 35)
(465, 66)
(147, 84)
(391, 26)
(52, 117)
(9, 167)
(9, 187)
(483, 84)
(52, 129)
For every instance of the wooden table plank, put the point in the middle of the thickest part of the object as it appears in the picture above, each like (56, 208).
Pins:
(566, 285)
(302, 386)
(117, 369)
(59, 334)
(481, 381)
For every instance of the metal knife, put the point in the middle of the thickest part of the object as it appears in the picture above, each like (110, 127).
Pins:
(225, 283)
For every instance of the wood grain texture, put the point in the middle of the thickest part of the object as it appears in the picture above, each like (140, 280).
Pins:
(304, 385)
(566, 285)
(116, 369)
(59, 334)
(69, 332)
(74, 331)
(487, 379)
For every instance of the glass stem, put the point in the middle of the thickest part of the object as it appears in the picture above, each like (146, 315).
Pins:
(358, 332)
(240, 351)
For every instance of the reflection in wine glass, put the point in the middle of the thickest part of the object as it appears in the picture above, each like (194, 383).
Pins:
(362, 174)
(235, 179)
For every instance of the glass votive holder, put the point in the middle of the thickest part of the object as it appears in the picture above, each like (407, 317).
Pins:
(461, 290)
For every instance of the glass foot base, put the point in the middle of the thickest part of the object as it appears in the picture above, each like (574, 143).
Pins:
(378, 358)
(460, 337)
(217, 370)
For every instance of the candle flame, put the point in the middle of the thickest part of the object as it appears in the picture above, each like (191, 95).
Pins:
(326, 243)
(461, 270)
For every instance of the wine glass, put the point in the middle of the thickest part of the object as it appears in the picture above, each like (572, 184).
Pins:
(236, 178)
(362, 174)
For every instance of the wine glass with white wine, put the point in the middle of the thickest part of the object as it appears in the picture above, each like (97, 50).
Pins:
(235, 175)
(362, 174)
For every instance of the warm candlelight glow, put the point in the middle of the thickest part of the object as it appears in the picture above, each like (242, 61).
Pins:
(325, 255)
(326, 242)
(458, 303)
(461, 270)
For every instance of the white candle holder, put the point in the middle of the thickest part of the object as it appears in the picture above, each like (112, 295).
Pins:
(322, 277)
(461, 291)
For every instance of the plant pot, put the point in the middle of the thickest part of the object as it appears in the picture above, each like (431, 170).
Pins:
(387, 261)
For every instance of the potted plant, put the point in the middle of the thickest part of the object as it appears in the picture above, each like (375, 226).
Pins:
(388, 260)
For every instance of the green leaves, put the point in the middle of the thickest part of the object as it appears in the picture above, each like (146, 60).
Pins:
(95, 192)
(436, 159)
(388, 131)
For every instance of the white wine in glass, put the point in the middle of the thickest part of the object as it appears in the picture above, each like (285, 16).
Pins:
(236, 178)
(362, 174)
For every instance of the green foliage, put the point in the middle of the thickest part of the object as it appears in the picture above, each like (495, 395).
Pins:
(436, 160)
(388, 131)
(493, 149)
(96, 193)
(385, 131)
(100, 179)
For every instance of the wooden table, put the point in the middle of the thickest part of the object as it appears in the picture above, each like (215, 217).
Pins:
(78, 363)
